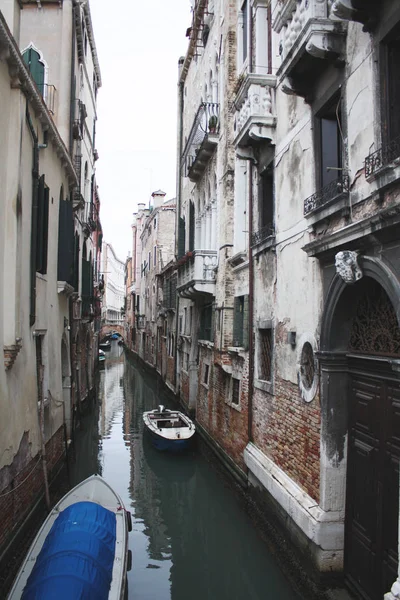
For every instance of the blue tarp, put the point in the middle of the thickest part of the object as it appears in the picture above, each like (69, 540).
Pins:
(76, 560)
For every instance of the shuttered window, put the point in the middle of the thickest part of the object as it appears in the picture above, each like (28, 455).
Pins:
(207, 323)
(181, 237)
(65, 271)
(241, 322)
(191, 226)
(42, 227)
(35, 67)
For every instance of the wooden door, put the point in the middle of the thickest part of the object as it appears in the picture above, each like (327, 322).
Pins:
(372, 506)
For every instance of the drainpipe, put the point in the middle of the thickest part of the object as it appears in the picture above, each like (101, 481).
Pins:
(35, 190)
(178, 204)
(251, 272)
(251, 308)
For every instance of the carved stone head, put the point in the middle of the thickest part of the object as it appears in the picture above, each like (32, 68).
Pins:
(347, 266)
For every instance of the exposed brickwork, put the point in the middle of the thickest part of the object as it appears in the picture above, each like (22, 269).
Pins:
(28, 483)
(228, 425)
(10, 354)
(287, 429)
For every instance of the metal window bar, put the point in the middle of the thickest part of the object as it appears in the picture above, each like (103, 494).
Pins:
(265, 354)
(262, 234)
(326, 194)
(382, 157)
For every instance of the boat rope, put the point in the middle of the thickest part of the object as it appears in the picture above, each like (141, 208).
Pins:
(22, 482)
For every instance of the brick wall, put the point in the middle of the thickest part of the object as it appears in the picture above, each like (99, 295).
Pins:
(26, 487)
(287, 429)
(228, 425)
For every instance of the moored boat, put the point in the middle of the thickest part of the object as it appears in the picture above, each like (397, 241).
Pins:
(169, 429)
(105, 345)
(81, 550)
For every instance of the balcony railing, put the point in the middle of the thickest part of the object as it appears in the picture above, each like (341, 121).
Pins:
(201, 141)
(327, 194)
(197, 275)
(255, 109)
(262, 234)
(307, 35)
(383, 157)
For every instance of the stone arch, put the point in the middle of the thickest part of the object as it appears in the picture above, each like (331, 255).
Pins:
(337, 308)
(341, 371)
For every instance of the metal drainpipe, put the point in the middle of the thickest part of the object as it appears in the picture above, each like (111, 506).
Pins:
(35, 190)
(178, 211)
(251, 308)
(251, 272)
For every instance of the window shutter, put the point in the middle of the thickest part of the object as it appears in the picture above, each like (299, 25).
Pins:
(191, 226)
(181, 238)
(245, 323)
(65, 242)
(237, 322)
(40, 226)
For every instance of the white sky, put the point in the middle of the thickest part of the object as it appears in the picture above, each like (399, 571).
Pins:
(138, 46)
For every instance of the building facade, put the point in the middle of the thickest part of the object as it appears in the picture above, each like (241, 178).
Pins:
(42, 275)
(113, 299)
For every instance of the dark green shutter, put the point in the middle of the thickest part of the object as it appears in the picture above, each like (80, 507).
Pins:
(65, 243)
(181, 238)
(245, 335)
(191, 226)
(41, 220)
(36, 68)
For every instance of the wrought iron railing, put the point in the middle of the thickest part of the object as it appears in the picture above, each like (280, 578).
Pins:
(262, 234)
(206, 122)
(382, 157)
(326, 194)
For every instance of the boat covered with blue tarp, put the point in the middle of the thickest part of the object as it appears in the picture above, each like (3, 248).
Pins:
(77, 558)
(81, 550)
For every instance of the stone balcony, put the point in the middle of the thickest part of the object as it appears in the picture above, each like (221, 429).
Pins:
(309, 40)
(255, 110)
(196, 274)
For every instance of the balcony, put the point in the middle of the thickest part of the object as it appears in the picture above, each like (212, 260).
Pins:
(196, 276)
(361, 11)
(263, 239)
(202, 141)
(255, 110)
(309, 40)
(384, 159)
(331, 199)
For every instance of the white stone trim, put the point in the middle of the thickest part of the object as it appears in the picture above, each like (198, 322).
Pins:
(325, 529)
(307, 394)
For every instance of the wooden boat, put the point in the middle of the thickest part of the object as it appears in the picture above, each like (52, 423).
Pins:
(169, 429)
(81, 550)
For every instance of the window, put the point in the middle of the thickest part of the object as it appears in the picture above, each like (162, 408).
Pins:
(329, 144)
(265, 354)
(307, 366)
(391, 86)
(206, 373)
(191, 226)
(207, 323)
(266, 202)
(35, 67)
(149, 260)
(240, 321)
(235, 399)
(42, 234)
(180, 324)
(245, 26)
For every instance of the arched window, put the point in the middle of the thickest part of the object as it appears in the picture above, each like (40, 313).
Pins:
(36, 67)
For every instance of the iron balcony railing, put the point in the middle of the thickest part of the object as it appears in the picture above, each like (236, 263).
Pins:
(262, 234)
(382, 157)
(326, 194)
(205, 123)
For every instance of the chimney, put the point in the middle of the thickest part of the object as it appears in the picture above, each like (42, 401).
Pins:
(158, 198)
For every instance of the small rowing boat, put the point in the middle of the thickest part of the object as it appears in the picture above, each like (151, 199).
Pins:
(169, 429)
(81, 550)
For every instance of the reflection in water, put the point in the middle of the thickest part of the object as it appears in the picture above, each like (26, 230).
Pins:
(190, 538)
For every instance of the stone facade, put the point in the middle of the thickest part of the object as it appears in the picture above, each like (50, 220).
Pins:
(48, 342)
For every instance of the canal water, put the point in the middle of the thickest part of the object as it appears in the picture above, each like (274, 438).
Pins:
(191, 539)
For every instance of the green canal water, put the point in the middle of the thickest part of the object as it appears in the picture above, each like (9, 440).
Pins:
(191, 539)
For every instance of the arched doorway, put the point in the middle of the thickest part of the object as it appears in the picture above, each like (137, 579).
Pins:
(360, 404)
